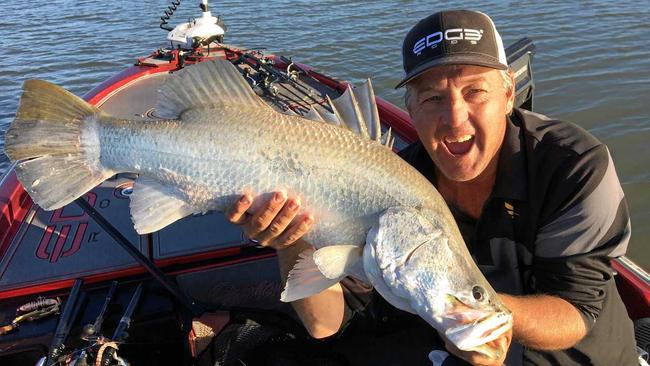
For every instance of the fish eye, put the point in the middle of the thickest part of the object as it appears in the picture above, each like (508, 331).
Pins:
(479, 293)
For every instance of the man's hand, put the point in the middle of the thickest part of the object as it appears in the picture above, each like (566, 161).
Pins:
(275, 224)
(500, 345)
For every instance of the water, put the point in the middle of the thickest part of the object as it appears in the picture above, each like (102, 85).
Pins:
(592, 64)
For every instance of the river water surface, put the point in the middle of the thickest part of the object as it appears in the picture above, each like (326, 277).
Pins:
(592, 64)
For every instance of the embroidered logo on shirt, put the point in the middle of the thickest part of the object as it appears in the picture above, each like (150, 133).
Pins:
(510, 209)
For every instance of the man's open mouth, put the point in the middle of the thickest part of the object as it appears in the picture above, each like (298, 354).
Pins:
(459, 145)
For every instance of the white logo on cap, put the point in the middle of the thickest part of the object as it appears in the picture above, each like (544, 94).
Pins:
(452, 35)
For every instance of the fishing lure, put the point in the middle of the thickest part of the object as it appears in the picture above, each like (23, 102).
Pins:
(39, 303)
(33, 310)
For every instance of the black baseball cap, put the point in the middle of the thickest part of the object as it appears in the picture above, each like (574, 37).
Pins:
(452, 37)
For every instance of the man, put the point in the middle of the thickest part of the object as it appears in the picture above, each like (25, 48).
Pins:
(537, 200)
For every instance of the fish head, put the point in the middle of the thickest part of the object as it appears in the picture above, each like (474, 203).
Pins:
(422, 265)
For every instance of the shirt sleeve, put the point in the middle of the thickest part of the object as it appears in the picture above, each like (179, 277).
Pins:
(356, 295)
(585, 223)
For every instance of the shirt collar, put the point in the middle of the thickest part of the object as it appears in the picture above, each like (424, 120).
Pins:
(511, 181)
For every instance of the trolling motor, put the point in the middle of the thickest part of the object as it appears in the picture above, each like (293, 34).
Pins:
(195, 33)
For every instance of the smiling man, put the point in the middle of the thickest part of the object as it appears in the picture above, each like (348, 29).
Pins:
(537, 201)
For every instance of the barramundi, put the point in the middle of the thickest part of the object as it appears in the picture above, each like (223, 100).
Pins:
(375, 217)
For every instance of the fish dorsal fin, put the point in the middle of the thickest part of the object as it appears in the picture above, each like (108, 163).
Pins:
(355, 110)
(154, 206)
(347, 109)
(327, 116)
(206, 84)
(387, 139)
(314, 115)
(365, 96)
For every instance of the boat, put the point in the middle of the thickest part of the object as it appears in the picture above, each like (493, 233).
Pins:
(78, 283)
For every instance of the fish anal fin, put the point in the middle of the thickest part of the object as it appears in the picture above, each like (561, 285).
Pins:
(154, 206)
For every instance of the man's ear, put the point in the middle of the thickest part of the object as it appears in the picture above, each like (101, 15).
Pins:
(510, 94)
(408, 93)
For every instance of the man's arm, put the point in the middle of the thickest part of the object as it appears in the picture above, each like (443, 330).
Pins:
(278, 225)
(545, 322)
(541, 322)
(321, 314)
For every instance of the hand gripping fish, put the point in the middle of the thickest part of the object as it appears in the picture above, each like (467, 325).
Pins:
(376, 217)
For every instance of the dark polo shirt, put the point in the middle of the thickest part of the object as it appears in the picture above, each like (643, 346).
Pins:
(555, 218)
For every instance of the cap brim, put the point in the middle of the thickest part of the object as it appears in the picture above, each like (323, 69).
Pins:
(475, 60)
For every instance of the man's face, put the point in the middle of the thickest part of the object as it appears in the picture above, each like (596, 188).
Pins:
(459, 113)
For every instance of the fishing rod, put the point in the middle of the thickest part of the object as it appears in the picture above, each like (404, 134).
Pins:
(91, 332)
(95, 328)
(69, 313)
(107, 353)
(159, 275)
(281, 76)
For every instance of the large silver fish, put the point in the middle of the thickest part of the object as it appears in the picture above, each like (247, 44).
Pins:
(221, 140)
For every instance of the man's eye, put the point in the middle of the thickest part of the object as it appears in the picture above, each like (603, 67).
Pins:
(433, 98)
(477, 95)
(476, 91)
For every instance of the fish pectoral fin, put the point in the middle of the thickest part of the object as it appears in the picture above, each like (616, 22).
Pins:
(335, 261)
(154, 206)
(305, 279)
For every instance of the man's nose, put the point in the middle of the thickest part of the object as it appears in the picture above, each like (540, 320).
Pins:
(456, 112)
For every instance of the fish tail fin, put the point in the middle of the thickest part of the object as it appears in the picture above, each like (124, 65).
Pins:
(54, 140)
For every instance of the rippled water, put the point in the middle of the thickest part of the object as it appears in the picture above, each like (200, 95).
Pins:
(592, 65)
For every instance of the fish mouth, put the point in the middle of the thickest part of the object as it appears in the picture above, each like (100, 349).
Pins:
(473, 327)
(471, 336)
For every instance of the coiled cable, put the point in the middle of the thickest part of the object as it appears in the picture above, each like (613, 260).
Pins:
(168, 14)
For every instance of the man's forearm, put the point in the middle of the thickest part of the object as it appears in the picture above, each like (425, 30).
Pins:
(321, 314)
(545, 322)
